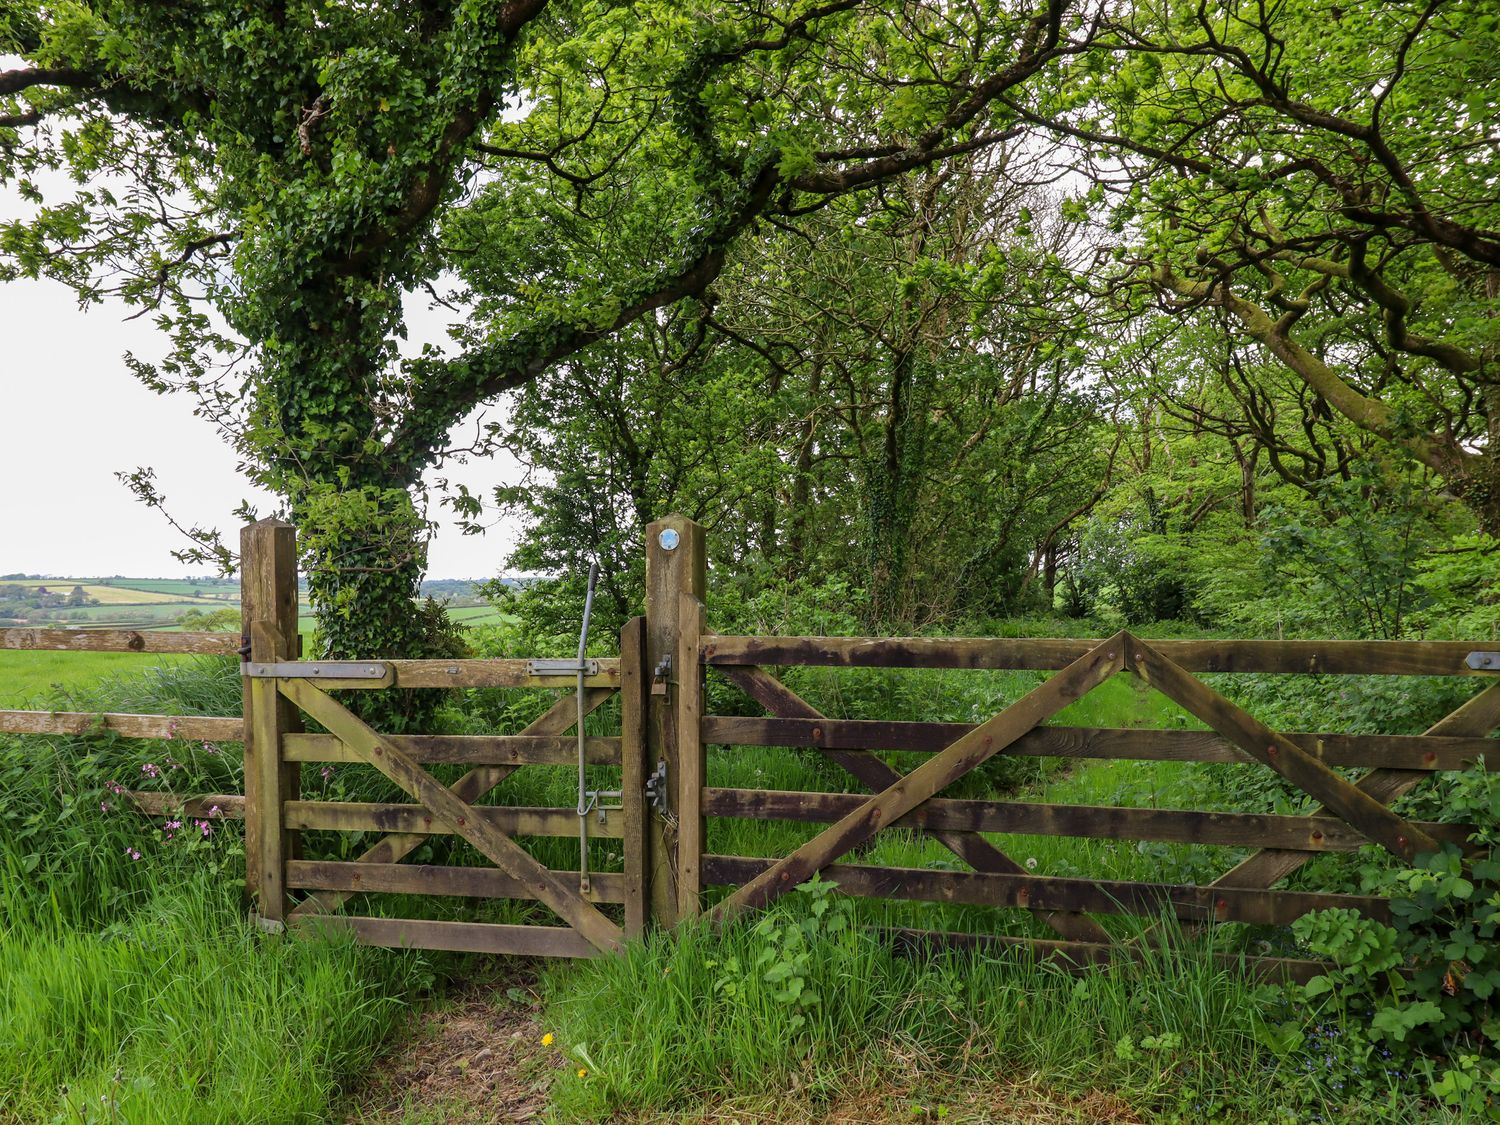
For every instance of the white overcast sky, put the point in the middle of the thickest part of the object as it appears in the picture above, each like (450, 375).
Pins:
(72, 415)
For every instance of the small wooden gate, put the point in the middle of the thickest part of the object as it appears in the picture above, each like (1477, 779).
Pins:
(279, 691)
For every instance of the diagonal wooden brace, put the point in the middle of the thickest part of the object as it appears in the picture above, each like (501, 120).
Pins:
(979, 745)
(1353, 805)
(457, 814)
(876, 775)
(1475, 719)
(470, 787)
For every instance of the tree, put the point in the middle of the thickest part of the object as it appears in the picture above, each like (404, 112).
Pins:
(1324, 177)
(270, 181)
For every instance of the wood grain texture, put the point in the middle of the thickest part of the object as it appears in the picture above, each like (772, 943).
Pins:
(1040, 892)
(692, 768)
(1362, 658)
(189, 728)
(430, 879)
(1224, 829)
(120, 640)
(386, 816)
(209, 806)
(1414, 752)
(463, 749)
(634, 684)
(466, 937)
(498, 673)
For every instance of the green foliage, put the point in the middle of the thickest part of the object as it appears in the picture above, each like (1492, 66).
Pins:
(1421, 992)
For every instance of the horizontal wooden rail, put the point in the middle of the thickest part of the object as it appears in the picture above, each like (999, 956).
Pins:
(465, 749)
(1081, 956)
(1025, 818)
(1359, 658)
(500, 673)
(230, 806)
(1409, 752)
(429, 879)
(120, 640)
(192, 728)
(1041, 892)
(369, 816)
(466, 937)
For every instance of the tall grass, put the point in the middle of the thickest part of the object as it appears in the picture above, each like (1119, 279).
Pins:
(698, 1015)
(132, 988)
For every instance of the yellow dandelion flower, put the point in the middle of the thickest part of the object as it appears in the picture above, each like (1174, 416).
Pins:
(547, 1039)
(583, 1072)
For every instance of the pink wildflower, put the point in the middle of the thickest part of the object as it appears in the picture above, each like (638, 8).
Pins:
(210, 748)
(213, 810)
(105, 806)
(202, 826)
(132, 853)
(326, 772)
(114, 787)
(151, 769)
(172, 762)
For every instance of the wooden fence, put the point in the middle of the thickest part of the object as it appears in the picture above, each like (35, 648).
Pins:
(665, 738)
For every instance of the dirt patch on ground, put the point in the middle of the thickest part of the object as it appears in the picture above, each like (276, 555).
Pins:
(474, 1058)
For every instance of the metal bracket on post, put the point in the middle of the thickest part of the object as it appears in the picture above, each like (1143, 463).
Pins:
(315, 670)
(561, 667)
(1484, 661)
(656, 788)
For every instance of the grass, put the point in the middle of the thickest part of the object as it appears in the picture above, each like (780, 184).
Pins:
(135, 984)
(26, 677)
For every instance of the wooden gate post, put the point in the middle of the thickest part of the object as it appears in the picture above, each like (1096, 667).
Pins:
(676, 572)
(268, 608)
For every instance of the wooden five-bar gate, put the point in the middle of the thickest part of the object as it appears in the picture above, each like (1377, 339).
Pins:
(662, 748)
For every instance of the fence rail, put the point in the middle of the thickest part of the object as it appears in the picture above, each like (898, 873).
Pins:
(666, 747)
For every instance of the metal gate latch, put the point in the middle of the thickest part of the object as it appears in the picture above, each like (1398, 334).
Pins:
(1484, 661)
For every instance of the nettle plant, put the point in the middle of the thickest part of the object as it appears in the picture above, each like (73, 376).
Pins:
(1419, 996)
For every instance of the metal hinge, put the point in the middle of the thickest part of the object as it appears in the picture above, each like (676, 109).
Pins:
(656, 788)
(1484, 661)
(561, 668)
(315, 670)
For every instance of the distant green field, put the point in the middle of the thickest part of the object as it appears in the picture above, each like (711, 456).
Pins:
(182, 587)
(31, 677)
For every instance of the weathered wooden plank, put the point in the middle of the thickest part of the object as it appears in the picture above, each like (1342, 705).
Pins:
(1026, 818)
(431, 879)
(464, 749)
(634, 685)
(444, 805)
(978, 746)
(209, 806)
(1477, 717)
(1415, 752)
(499, 673)
(1362, 658)
(1082, 957)
(188, 728)
(471, 787)
(464, 937)
(692, 768)
(876, 775)
(268, 591)
(1033, 892)
(676, 564)
(381, 816)
(1353, 805)
(120, 640)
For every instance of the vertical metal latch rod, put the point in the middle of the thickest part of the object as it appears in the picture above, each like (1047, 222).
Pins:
(583, 780)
